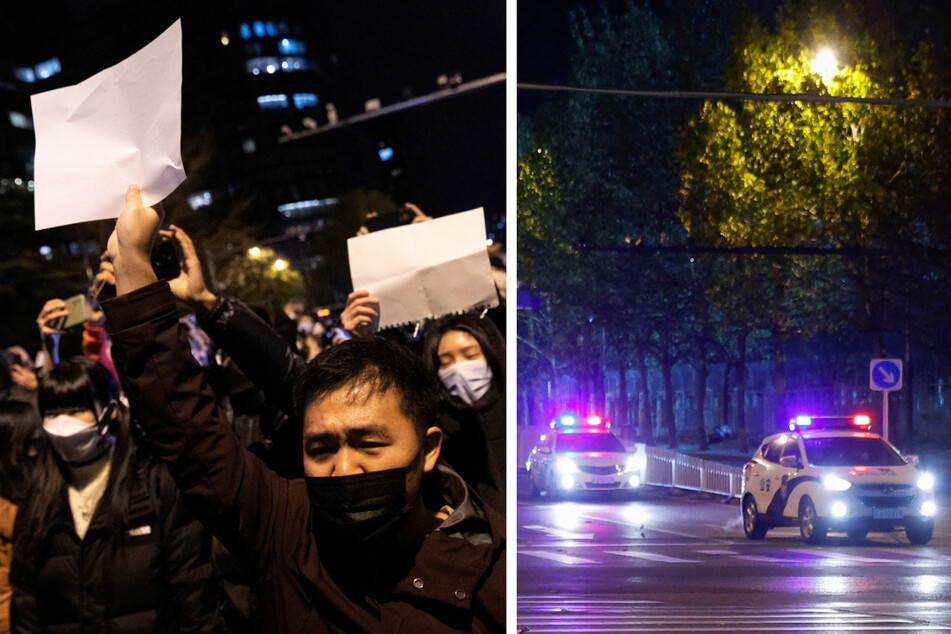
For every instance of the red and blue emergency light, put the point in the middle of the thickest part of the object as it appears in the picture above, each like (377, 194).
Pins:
(802, 422)
(569, 421)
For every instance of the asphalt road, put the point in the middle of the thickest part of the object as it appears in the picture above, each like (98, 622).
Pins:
(678, 563)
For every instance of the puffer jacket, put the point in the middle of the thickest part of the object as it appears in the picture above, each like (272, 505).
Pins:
(474, 435)
(157, 577)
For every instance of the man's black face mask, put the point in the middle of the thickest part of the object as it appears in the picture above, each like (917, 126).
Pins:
(363, 508)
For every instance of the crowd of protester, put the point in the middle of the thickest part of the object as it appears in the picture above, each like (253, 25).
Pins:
(180, 462)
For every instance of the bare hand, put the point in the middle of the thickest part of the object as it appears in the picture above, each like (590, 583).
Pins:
(24, 377)
(189, 286)
(361, 316)
(53, 310)
(130, 245)
(420, 216)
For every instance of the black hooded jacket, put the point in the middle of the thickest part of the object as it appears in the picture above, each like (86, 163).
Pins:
(474, 441)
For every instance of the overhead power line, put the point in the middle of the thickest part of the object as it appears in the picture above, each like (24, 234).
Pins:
(415, 102)
(850, 251)
(741, 96)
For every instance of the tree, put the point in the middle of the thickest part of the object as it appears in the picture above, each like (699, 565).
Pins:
(817, 174)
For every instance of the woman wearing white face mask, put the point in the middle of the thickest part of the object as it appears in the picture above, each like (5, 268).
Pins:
(102, 541)
(468, 354)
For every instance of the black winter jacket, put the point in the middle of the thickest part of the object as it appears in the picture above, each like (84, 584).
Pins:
(474, 435)
(160, 579)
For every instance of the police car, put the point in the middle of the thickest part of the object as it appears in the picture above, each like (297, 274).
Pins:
(833, 474)
(581, 455)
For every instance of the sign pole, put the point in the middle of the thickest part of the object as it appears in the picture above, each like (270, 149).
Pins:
(884, 375)
(885, 415)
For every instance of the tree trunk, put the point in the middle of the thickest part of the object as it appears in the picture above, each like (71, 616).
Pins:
(780, 416)
(741, 393)
(667, 405)
(725, 413)
(646, 429)
(622, 405)
(907, 382)
(702, 399)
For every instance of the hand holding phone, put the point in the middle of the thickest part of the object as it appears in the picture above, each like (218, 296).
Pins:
(75, 308)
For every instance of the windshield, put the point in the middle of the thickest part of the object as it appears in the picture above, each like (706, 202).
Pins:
(588, 442)
(851, 451)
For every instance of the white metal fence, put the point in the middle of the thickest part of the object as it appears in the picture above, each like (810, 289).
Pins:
(662, 467)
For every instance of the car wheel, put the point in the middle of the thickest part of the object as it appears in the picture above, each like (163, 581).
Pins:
(919, 532)
(857, 533)
(753, 525)
(811, 526)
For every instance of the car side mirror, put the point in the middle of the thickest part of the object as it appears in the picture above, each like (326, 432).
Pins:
(790, 462)
(912, 459)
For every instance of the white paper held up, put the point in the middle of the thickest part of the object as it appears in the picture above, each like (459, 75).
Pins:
(120, 127)
(425, 270)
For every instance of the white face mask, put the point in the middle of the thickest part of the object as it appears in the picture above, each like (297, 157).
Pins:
(467, 380)
(77, 441)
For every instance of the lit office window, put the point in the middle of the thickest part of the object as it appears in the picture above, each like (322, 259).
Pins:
(249, 146)
(48, 68)
(269, 28)
(19, 120)
(25, 74)
(272, 65)
(288, 46)
(304, 100)
(245, 31)
(386, 153)
(259, 28)
(272, 102)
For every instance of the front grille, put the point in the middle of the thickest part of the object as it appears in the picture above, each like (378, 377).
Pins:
(609, 470)
(883, 489)
(886, 502)
(610, 485)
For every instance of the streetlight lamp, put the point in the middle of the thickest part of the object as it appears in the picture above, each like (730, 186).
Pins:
(254, 252)
(825, 65)
(280, 265)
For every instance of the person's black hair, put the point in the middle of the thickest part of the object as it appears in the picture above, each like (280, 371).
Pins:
(83, 383)
(19, 422)
(481, 329)
(79, 382)
(379, 366)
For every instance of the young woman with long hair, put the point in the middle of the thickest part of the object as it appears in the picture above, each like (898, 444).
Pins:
(102, 541)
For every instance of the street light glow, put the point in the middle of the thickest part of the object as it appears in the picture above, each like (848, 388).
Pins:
(825, 65)
(280, 265)
(254, 252)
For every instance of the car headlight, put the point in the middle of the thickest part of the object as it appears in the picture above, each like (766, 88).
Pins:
(925, 482)
(566, 465)
(833, 482)
(633, 463)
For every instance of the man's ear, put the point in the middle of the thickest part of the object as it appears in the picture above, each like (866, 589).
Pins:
(432, 445)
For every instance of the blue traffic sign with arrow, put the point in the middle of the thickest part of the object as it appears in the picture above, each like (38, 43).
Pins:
(885, 375)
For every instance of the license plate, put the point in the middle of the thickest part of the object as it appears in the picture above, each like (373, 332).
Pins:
(603, 479)
(887, 514)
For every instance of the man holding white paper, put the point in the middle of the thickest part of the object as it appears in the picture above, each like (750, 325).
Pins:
(395, 560)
